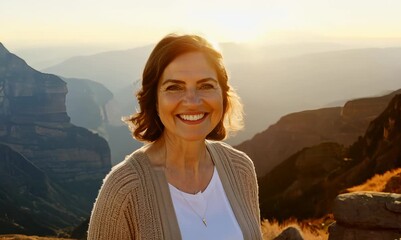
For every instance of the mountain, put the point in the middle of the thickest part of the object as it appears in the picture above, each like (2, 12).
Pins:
(93, 106)
(30, 202)
(40, 57)
(86, 102)
(113, 69)
(34, 125)
(271, 89)
(296, 131)
(272, 80)
(305, 184)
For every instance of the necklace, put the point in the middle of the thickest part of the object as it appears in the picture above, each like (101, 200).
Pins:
(203, 216)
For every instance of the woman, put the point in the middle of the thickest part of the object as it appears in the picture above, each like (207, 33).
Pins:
(182, 184)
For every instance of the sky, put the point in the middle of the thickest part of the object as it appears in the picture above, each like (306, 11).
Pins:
(129, 23)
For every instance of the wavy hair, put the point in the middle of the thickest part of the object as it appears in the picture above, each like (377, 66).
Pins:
(146, 125)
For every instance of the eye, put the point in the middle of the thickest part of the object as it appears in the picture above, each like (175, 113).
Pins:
(173, 88)
(206, 86)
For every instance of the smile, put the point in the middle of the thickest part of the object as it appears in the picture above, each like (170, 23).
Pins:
(192, 117)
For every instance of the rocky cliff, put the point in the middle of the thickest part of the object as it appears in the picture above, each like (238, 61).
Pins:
(296, 131)
(86, 103)
(34, 124)
(30, 202)
(91, 105)
(304, 185)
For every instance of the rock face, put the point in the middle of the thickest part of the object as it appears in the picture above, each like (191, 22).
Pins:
(86, 102)
(366, 215)
(305, 185)
(30, 202)
(34, 124)
(296, 131)
(91, 105)
(294, 187)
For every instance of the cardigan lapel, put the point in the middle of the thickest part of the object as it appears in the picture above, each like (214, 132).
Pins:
(228, 180)
(164, 204)
(169, 220)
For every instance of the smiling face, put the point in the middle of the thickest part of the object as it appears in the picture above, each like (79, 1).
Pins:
(190, 101)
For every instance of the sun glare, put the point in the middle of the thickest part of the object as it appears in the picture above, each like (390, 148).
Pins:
(239, 28)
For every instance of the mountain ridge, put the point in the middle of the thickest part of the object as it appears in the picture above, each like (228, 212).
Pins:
(298, 130)
(315, 175)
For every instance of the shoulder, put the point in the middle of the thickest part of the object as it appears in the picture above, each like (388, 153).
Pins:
(124, 175)
(226, 152)
(109, 218)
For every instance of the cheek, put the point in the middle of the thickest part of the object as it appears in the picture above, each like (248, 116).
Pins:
(219, 106)
(165, 108)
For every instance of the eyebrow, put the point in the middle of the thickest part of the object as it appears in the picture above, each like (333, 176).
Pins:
(180, 81)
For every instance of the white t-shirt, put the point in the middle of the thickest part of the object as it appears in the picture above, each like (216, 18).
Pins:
(212, 205)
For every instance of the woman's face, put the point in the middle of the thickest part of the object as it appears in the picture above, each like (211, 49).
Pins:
(189, 102)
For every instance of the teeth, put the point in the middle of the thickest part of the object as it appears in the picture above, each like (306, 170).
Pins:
(192, 117)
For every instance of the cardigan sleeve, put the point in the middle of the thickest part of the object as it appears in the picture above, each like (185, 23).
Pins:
(112, 216)
(253, 192)
(248, 184)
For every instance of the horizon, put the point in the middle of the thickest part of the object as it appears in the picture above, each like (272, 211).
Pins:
(128, 24)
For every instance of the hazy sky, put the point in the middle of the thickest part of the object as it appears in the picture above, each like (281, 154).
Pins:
(32, 23)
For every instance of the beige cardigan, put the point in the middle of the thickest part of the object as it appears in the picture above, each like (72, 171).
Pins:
(135, 203)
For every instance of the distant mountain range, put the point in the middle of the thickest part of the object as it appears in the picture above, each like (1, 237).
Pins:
(272, 80)
(115, 70)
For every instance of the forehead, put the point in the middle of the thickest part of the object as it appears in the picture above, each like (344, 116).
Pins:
(189, 66)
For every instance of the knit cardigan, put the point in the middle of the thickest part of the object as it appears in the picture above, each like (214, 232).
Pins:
(135, 202)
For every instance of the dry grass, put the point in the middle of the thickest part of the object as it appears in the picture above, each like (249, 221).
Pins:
(24, 237)
(377, 183)
(316, 229)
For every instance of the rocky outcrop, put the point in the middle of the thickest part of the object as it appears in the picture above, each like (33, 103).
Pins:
(27, 95)
(34, 124)
(91, 105)
(305, 185)
(86, 103)
(366, 215)
(393, 185)
(296, 131)
(290, 233)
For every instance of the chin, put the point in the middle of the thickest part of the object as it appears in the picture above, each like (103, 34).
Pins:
(192, 138)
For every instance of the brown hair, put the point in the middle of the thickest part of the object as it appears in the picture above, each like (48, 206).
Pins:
(146, 124)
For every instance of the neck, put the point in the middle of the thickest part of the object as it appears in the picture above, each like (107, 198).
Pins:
(187, 164)
(184, 155)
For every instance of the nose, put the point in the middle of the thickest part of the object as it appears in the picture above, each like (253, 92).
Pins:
(192, 97)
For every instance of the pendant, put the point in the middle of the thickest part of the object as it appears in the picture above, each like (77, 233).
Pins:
(204, 221)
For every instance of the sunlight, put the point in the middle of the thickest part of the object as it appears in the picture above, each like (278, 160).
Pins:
(239, 28)
(239, 23)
